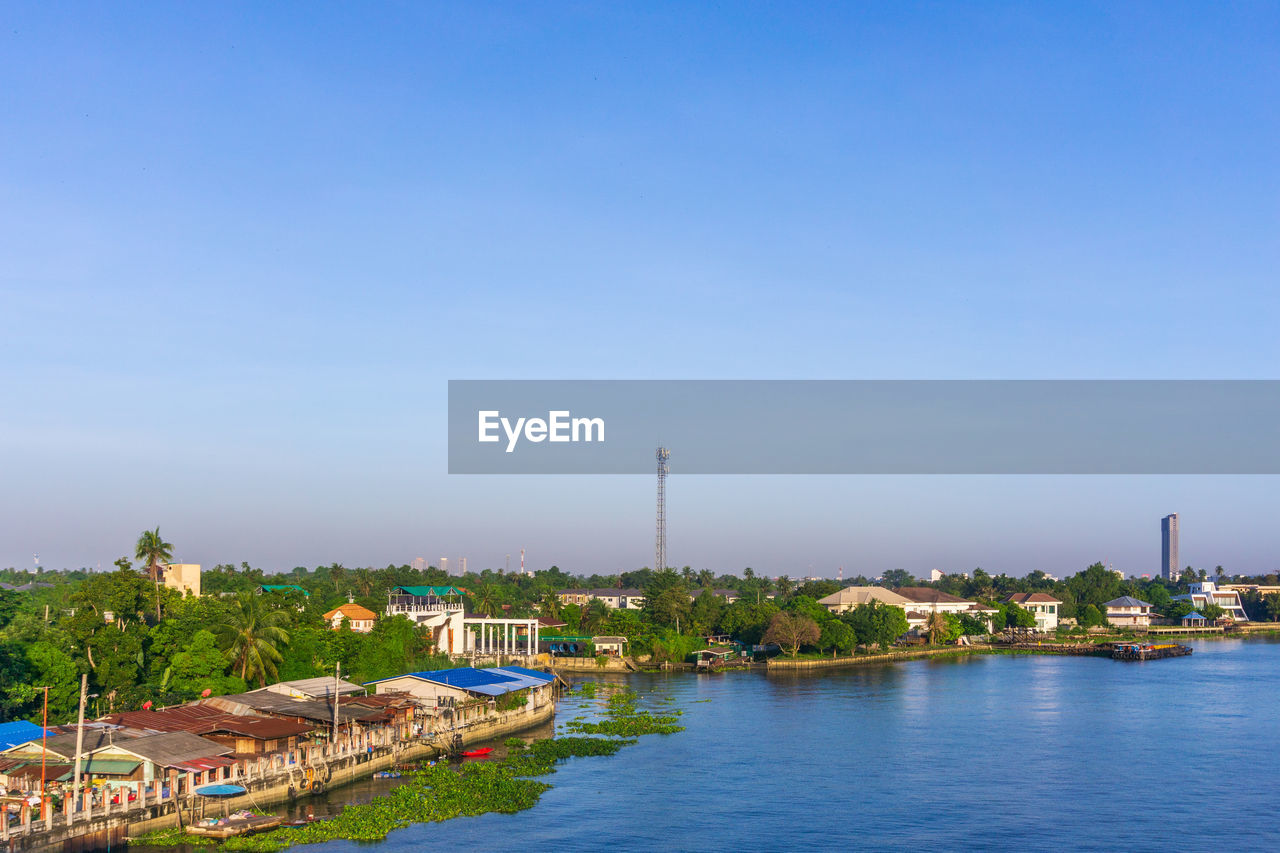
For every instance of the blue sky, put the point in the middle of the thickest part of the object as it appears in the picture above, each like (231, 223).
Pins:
(244, 248)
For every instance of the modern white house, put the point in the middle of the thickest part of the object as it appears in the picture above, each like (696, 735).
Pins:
(853, 596)
(1128, 612)
(1207, 592)
(1042, 606)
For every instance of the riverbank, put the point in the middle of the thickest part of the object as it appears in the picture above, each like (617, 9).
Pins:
(502, 784)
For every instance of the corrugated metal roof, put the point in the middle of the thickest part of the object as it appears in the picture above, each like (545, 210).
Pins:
(312, 688)
(100, 767)
(532, 673)
(173, 748)
(19, 731)
(206, 719)
(281, 705)
(1127, 601)
(487, 682)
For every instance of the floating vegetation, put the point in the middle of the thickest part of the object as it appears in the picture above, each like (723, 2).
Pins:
(623, 720)
(439, 793)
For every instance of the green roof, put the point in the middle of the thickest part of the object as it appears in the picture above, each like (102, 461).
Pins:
(437, 591)
(103, 766)
(283, 587)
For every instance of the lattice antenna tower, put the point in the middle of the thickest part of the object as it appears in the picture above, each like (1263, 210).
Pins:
(660, 550)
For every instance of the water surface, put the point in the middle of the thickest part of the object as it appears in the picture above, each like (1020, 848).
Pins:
(977, 753)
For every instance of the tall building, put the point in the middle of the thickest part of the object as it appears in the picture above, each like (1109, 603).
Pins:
(462, 565)
(444, 565)
(419, 564)
(1169, 547)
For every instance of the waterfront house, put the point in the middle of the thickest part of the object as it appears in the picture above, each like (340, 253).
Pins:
(18, 732)
(361, 618)
(614, 599)
(245, 735)
(449, 688)
(1207, 592)
(110, 755)
(1042, 606)
(609, 645)
(1128, 612)
(853, 596)
(320, 687)
(926, 599)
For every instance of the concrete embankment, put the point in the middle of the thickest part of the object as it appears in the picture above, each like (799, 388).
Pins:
(779, 665)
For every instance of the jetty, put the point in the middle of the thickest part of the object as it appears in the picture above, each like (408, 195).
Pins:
(1148, 651)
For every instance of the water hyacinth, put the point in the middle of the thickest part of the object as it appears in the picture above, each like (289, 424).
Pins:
(439, 793)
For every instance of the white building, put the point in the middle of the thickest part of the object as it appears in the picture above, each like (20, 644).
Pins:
(1207, 592)
(614, 599)
(438, 608)
(852, 596)
(1042, 606)
(1128, 612)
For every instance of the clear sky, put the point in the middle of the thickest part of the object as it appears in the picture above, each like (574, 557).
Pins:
(243, 248)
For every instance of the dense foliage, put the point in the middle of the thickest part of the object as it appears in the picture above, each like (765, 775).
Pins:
(236, 637)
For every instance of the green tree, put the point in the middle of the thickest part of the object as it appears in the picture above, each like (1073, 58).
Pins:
(153, 552)
(877, 624)
(550, 605)
(837, 636)
(253, 637)
(666, 599)
(485, 599)
(791, 631)
(895, 578)
(705, 613)
(1091, 616)
(594, 616)
(201, 666)
(1273, 606)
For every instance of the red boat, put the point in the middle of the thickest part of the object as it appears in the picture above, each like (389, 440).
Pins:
(478, 753)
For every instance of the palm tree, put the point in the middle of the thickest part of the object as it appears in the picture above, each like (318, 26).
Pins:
(337, 574)
(549, 606)
(251, 638)
(364, 582)
(594, 615)
(485, 600)
(153, 552)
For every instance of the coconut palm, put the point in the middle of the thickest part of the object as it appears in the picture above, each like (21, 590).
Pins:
(364, 582)
(154, 552)
(549, 606)
(485, 600)
(594, 616)
(251, 637)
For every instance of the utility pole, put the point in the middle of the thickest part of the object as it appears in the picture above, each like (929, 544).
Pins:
(75, 785)
(337, 680)
(44, 752)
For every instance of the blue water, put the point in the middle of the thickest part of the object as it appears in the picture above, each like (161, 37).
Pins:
(979, 753)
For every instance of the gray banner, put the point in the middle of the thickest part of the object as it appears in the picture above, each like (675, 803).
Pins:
(865, 426)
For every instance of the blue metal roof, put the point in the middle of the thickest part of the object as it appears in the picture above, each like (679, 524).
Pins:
(19, 731)
(488, 682)
(544, 677)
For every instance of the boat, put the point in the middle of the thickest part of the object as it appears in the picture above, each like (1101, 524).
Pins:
(478, 753)
(1148, 651)
(233, 826)
(387, 774)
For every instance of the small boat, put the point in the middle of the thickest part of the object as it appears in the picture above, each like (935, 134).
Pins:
(477, 753)
(387, 774)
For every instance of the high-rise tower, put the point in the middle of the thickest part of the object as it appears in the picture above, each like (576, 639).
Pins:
(660, 550)
(1169, 569)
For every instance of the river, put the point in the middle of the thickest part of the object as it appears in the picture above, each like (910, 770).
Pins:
(976, 753)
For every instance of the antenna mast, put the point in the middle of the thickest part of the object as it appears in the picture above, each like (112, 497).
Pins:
(660, 552)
